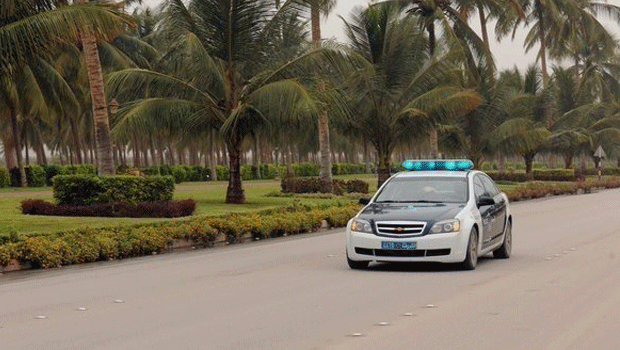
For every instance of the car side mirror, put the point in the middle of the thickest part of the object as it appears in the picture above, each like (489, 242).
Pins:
(364, 201)
(485, 201)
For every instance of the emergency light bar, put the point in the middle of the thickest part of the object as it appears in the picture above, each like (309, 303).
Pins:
(440, 164)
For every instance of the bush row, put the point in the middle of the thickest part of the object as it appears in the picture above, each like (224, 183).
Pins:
(119, 210)
(88, 244)
(41, 175)
(537, 175)
(313, 185)
(183, 173)
(90, 189)
(533, 190)
(5, 178)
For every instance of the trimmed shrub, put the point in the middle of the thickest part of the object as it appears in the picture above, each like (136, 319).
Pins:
(165, 170)
(87, 244)
(179, 173)
(90, 190)
(5, 178)
(554, 174)
(122, 209)
(313, 185)
(35, 175)
(53, 170)
(222, 173)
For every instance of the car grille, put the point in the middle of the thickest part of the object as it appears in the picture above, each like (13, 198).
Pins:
(400, 228)
(402, 253)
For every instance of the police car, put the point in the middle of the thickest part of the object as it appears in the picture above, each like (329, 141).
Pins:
(433, 210)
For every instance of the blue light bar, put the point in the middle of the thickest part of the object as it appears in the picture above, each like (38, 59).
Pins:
(442, 164)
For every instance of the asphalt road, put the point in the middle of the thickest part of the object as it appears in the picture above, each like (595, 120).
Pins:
(559, 290)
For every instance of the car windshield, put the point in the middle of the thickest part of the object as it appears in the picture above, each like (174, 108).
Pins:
(424, 190)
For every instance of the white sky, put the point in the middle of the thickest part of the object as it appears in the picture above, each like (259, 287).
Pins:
(507, 54)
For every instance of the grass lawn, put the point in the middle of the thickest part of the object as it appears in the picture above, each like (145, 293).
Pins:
(209, 197)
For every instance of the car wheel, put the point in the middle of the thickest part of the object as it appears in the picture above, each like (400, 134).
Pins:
(471, 258)
(357, 265)
(503, 252)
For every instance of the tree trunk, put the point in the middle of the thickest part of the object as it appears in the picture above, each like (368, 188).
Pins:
(136, 152)
(100, 108)
(501, 163)
(18, 147)
(323, 123)
(483, 26)
(383, 168)
(212, 157)
(8, 144)
(27, 149)
(529, 159)
(543, 44)
(434, 143)
(76, 139)
(289, 162)
(568, 160)
(235, 193)
(366, 158)
(256, 159)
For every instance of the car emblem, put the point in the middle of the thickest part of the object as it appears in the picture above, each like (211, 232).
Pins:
(399, 229)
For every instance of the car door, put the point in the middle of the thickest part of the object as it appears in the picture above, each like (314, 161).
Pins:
(499, 210)
(486, 211)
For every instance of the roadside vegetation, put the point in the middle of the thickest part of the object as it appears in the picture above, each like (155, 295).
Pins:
(224, 97)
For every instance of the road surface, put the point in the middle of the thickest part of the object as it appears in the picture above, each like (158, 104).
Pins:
(559, 290)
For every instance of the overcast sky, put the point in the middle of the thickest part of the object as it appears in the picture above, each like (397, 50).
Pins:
(507, 54)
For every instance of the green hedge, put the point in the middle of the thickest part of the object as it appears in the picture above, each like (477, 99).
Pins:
(537, 175)
(35, 175)
(86, 245)
(313, 185)
(5, 178)
(90, 190)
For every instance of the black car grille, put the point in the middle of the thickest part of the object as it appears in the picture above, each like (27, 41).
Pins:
(402, 253)
(400, 228)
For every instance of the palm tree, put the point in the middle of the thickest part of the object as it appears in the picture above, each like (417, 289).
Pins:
(456, 31)
(318, 7)
(525, 131)
(29, 30)
(403, 90)
(235, 82)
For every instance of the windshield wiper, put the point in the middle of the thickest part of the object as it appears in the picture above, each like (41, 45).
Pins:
(388, 201)
(424, 201)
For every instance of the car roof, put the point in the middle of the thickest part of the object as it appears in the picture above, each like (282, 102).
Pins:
(433, 173)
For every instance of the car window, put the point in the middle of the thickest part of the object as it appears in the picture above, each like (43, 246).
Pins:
(489, 186)
(424, 189)
(478, 187)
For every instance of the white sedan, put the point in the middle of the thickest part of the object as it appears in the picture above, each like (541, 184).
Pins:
(439, 211)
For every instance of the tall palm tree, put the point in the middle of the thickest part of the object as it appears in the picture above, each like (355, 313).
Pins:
(456, 32)
(318, 7)
(235, 81)
(403, 90)
(32, 29)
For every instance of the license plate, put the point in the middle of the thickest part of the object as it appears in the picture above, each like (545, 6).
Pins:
(398, 245)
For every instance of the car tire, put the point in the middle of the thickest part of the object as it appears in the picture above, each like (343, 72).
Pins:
(503, 252)
(471, 258)
(357, 265)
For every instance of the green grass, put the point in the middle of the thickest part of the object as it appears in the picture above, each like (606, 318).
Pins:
(209, 196)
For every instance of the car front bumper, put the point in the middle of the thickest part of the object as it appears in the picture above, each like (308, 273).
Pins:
(445, 247)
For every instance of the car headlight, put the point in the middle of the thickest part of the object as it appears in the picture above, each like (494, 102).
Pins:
(359, 225)
(446, 226)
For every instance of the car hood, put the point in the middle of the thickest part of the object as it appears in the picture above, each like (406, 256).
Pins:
(430, 212)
